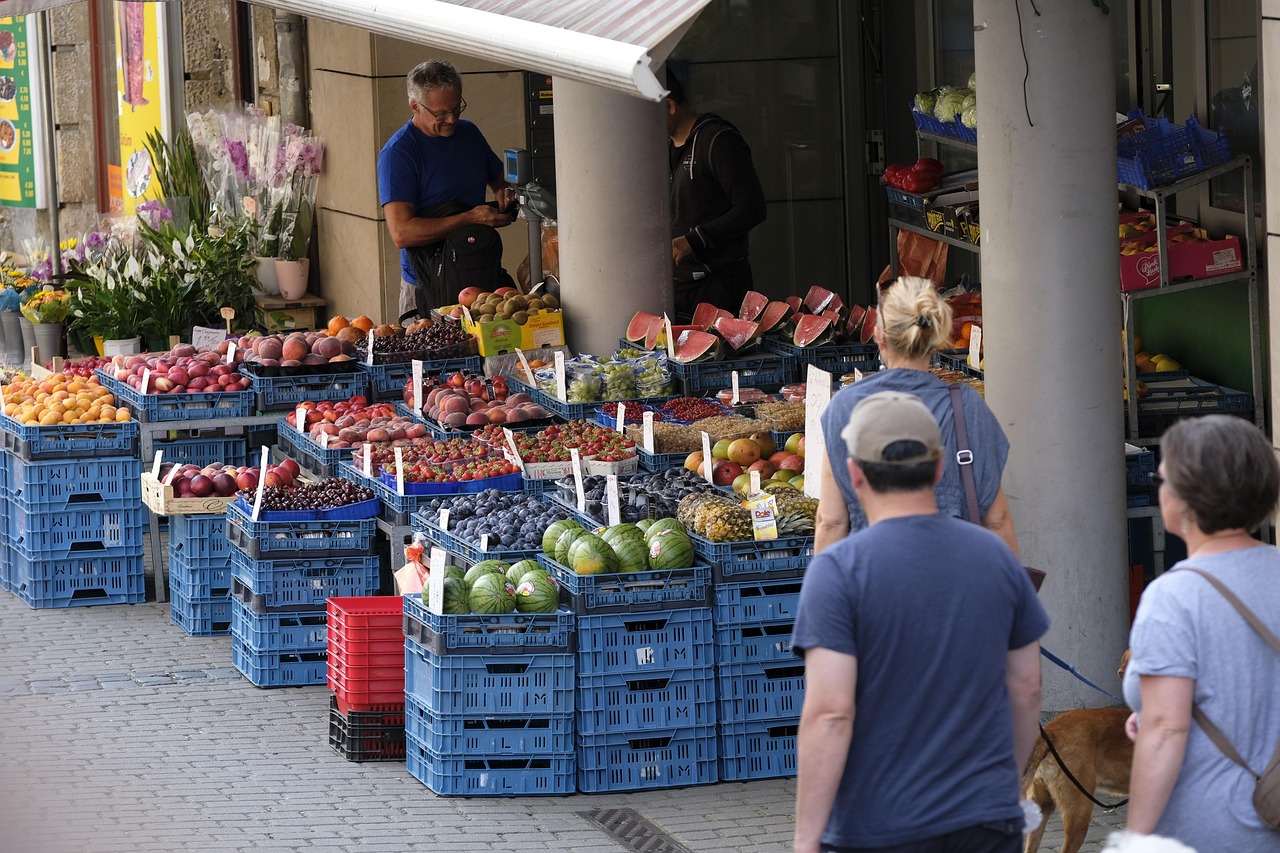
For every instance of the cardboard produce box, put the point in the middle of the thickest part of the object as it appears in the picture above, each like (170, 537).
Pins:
(1187, 261)
(543, 329)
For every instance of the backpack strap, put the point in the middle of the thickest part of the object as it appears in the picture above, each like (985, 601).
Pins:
(964, 456)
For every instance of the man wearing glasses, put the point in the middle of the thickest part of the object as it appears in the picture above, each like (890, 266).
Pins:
(433, 171)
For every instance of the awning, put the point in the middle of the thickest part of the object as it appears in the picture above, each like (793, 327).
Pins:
(610, 43)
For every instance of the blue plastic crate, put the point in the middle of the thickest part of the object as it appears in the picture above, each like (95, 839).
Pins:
(647, 700)
(153, 408)
(631, 592)
(642, 761)
(487, 634)
(660, 461)
(463, 548)
(1137, 499)
(298, 448)
(200, 540)
(285, 583)
(490, 776)
(276, 540)
(279, 669)
(282, 393)
(749, 555)
(77, 580)
(836, 359)
(767, 370)
(761, 749)
(957, 360)
(279, 632)
(199, 582)
(642, 642)
(1173, 396)
(1139, 465)
(232, 449)
(76, 532)
(1166, 152)
(489, 684)
(61, 484)
(386, 381)
(952, 129)
(6, 566)
(752, 602)
(764, 642)
(760, 691)
(396, 509)
(457, 734)
(69, 441)
(208, 617)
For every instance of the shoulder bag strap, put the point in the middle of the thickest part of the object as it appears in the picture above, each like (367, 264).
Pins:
(1215, 734)
(964, 456)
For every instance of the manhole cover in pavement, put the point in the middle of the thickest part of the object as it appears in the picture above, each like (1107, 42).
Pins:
(631, 829)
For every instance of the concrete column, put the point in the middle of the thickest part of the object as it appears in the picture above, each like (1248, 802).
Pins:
(615, 223)
(1053, 318)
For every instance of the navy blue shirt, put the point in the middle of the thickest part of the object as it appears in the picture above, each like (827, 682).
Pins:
(427, 170)
(930, 606)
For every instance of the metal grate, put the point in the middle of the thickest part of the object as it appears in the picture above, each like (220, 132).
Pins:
(632, 830)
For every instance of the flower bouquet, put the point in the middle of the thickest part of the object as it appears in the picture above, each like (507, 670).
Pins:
(47, 307)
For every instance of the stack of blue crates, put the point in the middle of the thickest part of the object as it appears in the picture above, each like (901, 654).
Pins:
(760, 681)
(282, 573)
(200, 574)
(72, 530)
(489, 702)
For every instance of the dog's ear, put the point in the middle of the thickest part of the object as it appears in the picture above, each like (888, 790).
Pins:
(1124, 663)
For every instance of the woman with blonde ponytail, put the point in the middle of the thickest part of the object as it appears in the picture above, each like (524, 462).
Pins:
(912, 322)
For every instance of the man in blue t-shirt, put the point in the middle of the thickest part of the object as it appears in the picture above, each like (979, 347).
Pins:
(437, 158)
(928, 628)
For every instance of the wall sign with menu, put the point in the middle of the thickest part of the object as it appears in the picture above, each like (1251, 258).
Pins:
(17, 149)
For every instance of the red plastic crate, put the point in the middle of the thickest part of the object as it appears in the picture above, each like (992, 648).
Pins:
(366, 632)
(379, 614)
(368, 688)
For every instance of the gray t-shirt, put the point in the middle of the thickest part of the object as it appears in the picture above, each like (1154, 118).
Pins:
(1185, 628)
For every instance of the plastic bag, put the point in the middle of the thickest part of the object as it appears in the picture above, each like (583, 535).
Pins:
(413, 575)
(919, 256)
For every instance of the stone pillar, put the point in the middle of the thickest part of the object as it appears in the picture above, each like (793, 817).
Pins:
(615, 221)
(1053, 318)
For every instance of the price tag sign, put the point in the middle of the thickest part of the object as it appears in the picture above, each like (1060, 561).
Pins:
(262, 482)
(324, 440)
(368, 459)
(400, 471)
(443, 518)
(733, 379)
(207, 337)
(231, 353)
(857, 375)
(524, 363)
(300, 419)
(647, 431)
(975, 348)
(706, 457)
(620, 424)
(417, 385)
(611, 497)
(671, 340)
(155, 466)
(515, 451)
(817, 396)
(561, 388)
(146, 380)
(227, 312)
(173, 472)
(484, 541)
(369, 356)
(755, 481)
(435, 580)
(577, 478)
(466, 313)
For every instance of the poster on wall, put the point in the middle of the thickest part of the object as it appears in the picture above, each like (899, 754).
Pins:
(17, 137)
(140, 87)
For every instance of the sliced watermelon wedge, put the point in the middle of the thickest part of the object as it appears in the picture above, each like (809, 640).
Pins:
(641, 323)
(704, 315)
(738, 334)
(753, 305)
(818, 299)
(775, 315)
(868, 326)
(794, 302)
(696, 345)
(856, 315)
(812, 330)
(657, 339)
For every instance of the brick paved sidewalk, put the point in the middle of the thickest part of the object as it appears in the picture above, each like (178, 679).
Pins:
(121, 733)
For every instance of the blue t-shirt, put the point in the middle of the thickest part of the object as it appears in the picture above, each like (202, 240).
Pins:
(427, 170)
(986, 439)
(1185, 628)
(930, 606)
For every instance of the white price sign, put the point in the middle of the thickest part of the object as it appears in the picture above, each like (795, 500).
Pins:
(706, 457)
(647, 431)
(562, 390)
(417, 385)
(975, 348)
(435, 580)
(817, 396)
(611, 496)
(400, 471)
(300, 419)
(576, 458)
(369, 355)
(733, 379)
(620, 423)
(262, 482)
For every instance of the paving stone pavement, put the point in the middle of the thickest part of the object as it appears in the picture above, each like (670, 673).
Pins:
(121, 733)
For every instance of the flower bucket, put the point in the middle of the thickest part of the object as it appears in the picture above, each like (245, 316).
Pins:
(292, 276)
(268, 284)
(12, 337)
(122, 346)
(48, 339)
(97, 344)
(28, 339)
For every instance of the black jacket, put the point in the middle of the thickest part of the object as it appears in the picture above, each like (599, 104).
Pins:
(715, 195)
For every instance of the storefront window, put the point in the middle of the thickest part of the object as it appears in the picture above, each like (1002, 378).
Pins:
(1234, 96)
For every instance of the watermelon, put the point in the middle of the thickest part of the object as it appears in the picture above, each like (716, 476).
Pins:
(856, 315)
(518, 570)
(663, 524)
(794, 302)
(553, 532)
(704, 314)
(591, 555)
(456, 599)
(484, 567)
(537, 595)
(566, 539)
(614, 534)
(693, 345)
(455, 572)
(738, 334)
(644, 524)
(812, 330)
(641, 323)
(868, 326)
(775, 315)
(753, 305)
(669, 549)
(633, 555)
(818, 299)
(537, 573)
(492, 593)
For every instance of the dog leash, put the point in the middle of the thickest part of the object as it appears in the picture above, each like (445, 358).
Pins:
(1074, 781)
(1071, 669)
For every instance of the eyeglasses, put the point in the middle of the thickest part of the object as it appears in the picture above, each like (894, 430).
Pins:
(456, 112)
(1156, 480)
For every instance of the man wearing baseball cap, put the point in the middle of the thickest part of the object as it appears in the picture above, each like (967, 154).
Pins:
(928, 628)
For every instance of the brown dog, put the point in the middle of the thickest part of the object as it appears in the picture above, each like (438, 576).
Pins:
(1093, 744)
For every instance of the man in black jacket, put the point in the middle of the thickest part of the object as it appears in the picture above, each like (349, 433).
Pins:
(715, 200)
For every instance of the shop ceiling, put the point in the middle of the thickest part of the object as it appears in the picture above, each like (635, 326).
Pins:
(616, 44)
